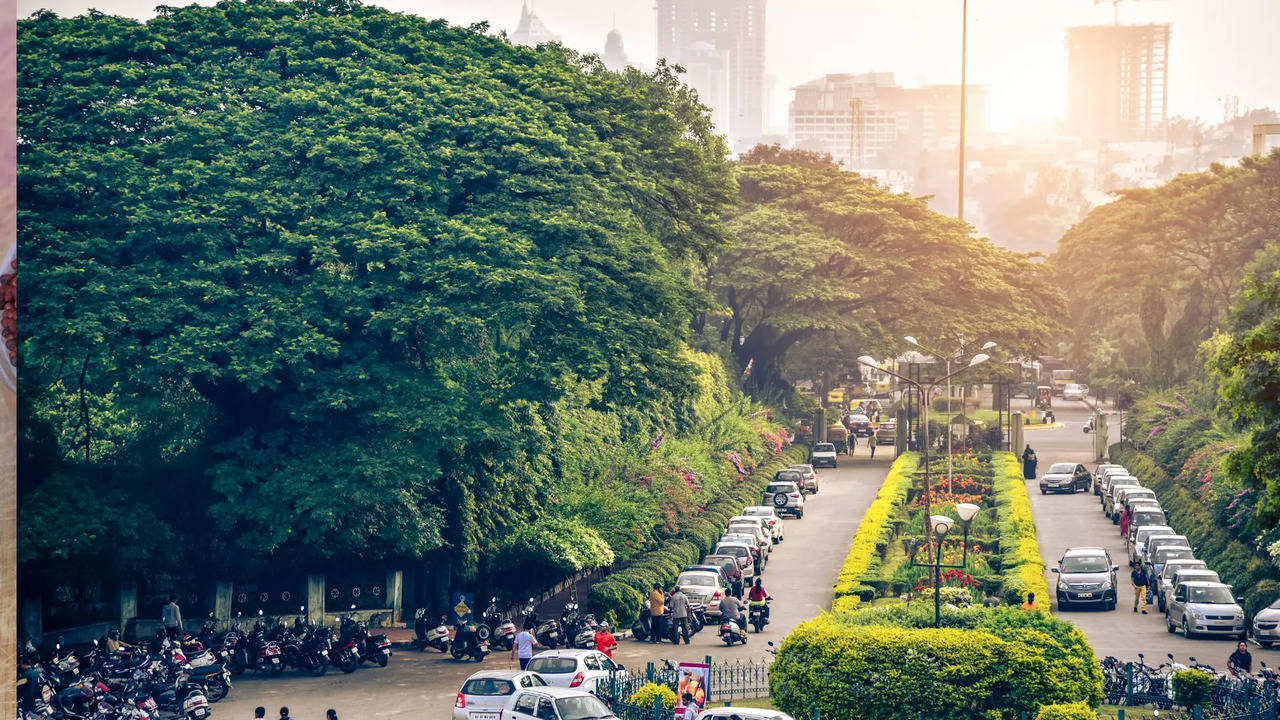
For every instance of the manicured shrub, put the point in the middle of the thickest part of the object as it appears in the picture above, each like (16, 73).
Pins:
(1021, 566)
(853, 672)
(875, 524)
(1192, 687)
(645, 695)
(616, 602)
(1067, 711)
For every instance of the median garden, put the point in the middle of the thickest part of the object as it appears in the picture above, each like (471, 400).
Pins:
(877, 654)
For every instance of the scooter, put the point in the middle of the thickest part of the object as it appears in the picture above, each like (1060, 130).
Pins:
(425, 636)
(500, 629)
(731, 632)
(547, 632)
(756, 616)
(468, 643)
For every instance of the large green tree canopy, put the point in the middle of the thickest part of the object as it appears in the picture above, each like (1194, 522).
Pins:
(831, 260)
(318, 265)
(1150, 275)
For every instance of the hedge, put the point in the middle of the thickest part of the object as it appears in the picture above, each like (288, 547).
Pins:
(868, 542)
(1249, 573)
(851, 671)
(619, 596)
(1021, 567)
(1067, 711)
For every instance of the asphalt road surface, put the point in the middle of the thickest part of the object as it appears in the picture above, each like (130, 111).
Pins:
(1064, 521)
(418, 685)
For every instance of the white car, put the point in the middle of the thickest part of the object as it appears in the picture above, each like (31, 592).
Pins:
(1137, 551)
(750, 527)
(746, 536)
(1205, 608)
(555, 703)
(1164, 581)
(770, 517)
(785, 497)
(1100, 471)
(1266, 625)
(746, 558)
(823, 454)
(485, 694)
(1074, 392)
(742, 713)
(702, 587)
(579, 669)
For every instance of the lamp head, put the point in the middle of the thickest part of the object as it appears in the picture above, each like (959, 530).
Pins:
(979, 359)
(867, 360)
(988, 344)
(967, 511)
(941, 524)
(912, 340)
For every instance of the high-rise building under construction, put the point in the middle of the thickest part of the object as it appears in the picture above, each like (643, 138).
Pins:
(1117, 82)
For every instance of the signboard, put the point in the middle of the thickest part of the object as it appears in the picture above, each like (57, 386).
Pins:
(693, 687)
(463, 604)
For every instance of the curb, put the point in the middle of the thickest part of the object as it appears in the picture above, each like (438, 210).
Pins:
(624, 635)
(1042, 426)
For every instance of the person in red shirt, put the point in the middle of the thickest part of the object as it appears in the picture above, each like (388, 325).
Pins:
(605, 642)
(758, 595)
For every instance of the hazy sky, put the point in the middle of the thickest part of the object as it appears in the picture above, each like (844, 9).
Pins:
(1218, 48)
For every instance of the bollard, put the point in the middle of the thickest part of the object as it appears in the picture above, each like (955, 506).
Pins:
(1119, 713)
(1128, 683)
(1197, 712)
(648, 671)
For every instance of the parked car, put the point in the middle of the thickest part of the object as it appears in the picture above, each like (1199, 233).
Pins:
(887, 433)
(771, 517)
(1079, 475)
(1109, 506)
(703, 587)
(785, 497)
(1072, 391)
(1266, 625)
(1205, 608)
(1137, 496)
(570, 668)
(555, 703)
(1164, 581)
(1097, 475)
(729, 565)
(742, 552)
(1158, 557)
(810, 477)
(1155, 542)
(1086, 576)
(1104, 484)
(751, 542)
(484, 694)
(764, 543)
(723, 571)
(823, 454)
(1138, 540)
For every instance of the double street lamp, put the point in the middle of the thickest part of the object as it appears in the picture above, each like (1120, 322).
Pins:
(939, 526)
(948, 356)
(934, 529)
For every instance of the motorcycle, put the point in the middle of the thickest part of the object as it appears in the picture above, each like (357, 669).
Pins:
(425, 636)
(756, 615)
(214, 680)
(372, 648)
(697, 617)
(255, 651)
(579, 629)
(547, 632)
(731, 632)
(500, 629)
(468, 643)
(640, 630)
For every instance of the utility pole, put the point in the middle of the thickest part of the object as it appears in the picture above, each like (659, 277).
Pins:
(964, 53)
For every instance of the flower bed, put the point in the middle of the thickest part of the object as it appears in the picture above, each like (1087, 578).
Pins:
(874, 533)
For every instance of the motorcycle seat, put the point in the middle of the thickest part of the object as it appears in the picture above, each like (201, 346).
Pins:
(214, 669)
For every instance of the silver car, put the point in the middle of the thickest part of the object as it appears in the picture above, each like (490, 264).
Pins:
(1157, 557)
(785, 497)
(771, 518)
(1205, 608)
(1164, 581)
(1108, 476)
(1110, 507)
(1186, 575)
(1138, 496)
(1138, 546)
(1098, 473)
(1266, 625)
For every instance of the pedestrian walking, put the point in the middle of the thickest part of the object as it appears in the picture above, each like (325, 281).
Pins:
(522, 648)
(871, 444)
(259, 713)
(1139, 580)
(680, 613)
(171, 616)
(656, 610)
(605, 641)
(1029, 463)
(1125, 517)
(284, 714)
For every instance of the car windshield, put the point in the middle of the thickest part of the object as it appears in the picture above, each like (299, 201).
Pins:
(553, 665)
(1085, 564)
(1164, 555)
(824, 447)
(697, 579)
(1172, 567)
(488, 686)
(1210, 595)
(581, 708)
(1274, 606)
(780, 488)
(757, 510)
(732, 550)
(859, 418)
(1062, 469)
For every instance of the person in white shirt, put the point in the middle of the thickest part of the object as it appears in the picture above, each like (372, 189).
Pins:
(523, 647)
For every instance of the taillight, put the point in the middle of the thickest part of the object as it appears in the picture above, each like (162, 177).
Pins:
(460, 702)
(795, 496)
(715, 595)
(577, 680)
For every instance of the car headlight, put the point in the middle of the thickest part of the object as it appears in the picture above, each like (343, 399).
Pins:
(1197, 614)
(1106, 584)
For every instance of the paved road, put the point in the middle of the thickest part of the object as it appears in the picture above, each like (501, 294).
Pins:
(420, 685)
(1064, 521)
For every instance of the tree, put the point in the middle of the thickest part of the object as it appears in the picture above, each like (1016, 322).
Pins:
(334, 263)
(826, 256)
(775, 154)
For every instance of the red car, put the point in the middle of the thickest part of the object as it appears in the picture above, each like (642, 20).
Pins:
(860, 425)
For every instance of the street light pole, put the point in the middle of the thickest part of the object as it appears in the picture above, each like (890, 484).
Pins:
(985, 346)
(964, 56)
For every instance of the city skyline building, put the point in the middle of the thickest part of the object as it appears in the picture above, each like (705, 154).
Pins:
(531, 31)
(614, 56)
(1117, 82)
(721, 43)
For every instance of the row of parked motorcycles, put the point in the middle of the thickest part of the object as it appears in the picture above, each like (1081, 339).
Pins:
(307, 647)
(668, 631)
(1137, 683)
(473, 639)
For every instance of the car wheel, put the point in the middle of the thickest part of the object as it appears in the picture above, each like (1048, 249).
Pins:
(1186, 629)
(1111, 605)
(1265, 643)
(1063, 604)
(1168, 624)
(1044, 491)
